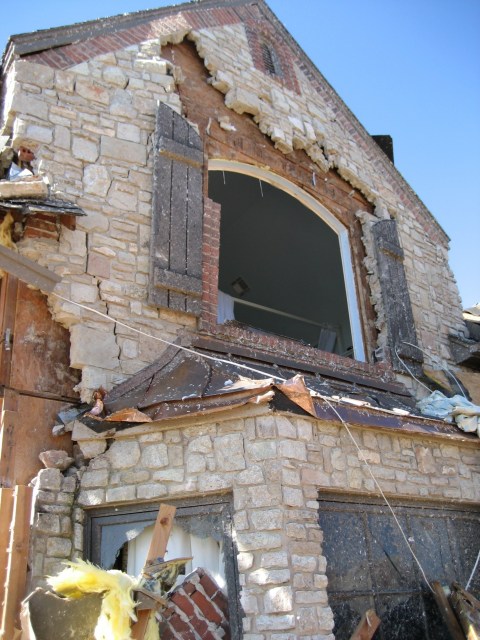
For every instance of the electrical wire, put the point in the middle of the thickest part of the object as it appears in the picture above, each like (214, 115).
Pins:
(473, 571)
(380, 490)
(435, 361)
(324, 398)
(167, 342)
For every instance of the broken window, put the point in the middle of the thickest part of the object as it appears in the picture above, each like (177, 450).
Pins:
(119, 538)
(282, 269)
(370, 566)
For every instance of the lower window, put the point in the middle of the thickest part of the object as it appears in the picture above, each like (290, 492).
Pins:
(369, 564)
(119, 538)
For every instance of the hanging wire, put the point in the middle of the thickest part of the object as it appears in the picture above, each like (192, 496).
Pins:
(324, 398)
(404, 364)
(435, 361)
(261, 187)
(473, 571)
(167, 342)
(369, 469)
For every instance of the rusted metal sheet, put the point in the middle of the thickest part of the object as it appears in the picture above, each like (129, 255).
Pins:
(41, 349)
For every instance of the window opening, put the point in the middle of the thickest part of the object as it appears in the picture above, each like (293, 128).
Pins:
(119, 538)
(270, 60)
(280, 267)
(369, 566)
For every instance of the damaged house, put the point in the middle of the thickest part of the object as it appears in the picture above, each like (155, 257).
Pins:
(218, 293)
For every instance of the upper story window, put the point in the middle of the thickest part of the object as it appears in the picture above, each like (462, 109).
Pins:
(270, 60)
(283, 269)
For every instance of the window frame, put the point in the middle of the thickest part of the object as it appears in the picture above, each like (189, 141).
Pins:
(98, 519)
(279, 182)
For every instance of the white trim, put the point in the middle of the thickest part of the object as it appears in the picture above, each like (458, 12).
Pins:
(275, 180)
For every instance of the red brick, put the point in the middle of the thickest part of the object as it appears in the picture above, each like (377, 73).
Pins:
(207, 608)
(183, 603)
(208, 585)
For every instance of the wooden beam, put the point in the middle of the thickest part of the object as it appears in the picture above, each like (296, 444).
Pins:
(446, 611)
(8, 308)
(7, 438)
(158, 547)
(17, 561)
(6, 509)
(367, 626)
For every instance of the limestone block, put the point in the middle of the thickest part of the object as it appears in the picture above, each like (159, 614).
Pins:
(269, 576)
(229, 453)
(92, 91)
(115, 76)
(258, 451)
(151, 66)
(47, 523)
(252, 475)
(128, 132)
(94, 348)
(73, 243)
(295, 450)
(84, 149)
(91, 497)
(278, 600)
(30, 73)
(249, 602)
(154, 456)
(201, 444)
(121, 105)
(274, 559)
(242, 101)
(59, 547)
(49, 480)
(30, 135)
(120, 494)
(123, 454)
(91, 479)
(124, 150)
(26, 104)
(304, 563)
(92, 448)
(64, 81)
(267, 519)
(150, 491)
(244, 561)
(274, 622)
(258, 540)
(83, 293)
(98, 265)
(214, 482)
(56, 459)
(293, 497)
(62, 137)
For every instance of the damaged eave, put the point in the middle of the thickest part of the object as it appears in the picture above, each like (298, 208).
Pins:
(31, 206)
(291, 396)
(465, 352)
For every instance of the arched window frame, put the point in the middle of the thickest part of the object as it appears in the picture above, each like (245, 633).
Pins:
(311, 203)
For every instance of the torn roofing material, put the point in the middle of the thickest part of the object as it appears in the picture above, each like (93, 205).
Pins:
(185, 384)
(31, 206)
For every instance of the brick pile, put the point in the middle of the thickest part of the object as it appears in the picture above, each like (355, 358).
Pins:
(198, 610)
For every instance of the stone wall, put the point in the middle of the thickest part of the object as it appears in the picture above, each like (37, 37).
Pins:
(273, 465)
(92, 124)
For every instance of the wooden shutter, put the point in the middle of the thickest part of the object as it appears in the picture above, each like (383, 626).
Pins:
(177, 210)
(395, 296)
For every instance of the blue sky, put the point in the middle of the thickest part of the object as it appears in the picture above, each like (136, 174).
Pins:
(408, 68)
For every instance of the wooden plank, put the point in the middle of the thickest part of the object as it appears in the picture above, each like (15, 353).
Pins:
(6, 509)
(367, 626)
(41, 348)
(8, 305)
(27, 270)
(17, 561)
(158, 547)
(8, 437)
(446, 611)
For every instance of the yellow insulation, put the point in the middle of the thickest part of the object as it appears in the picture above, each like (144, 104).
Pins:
(118, 606)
